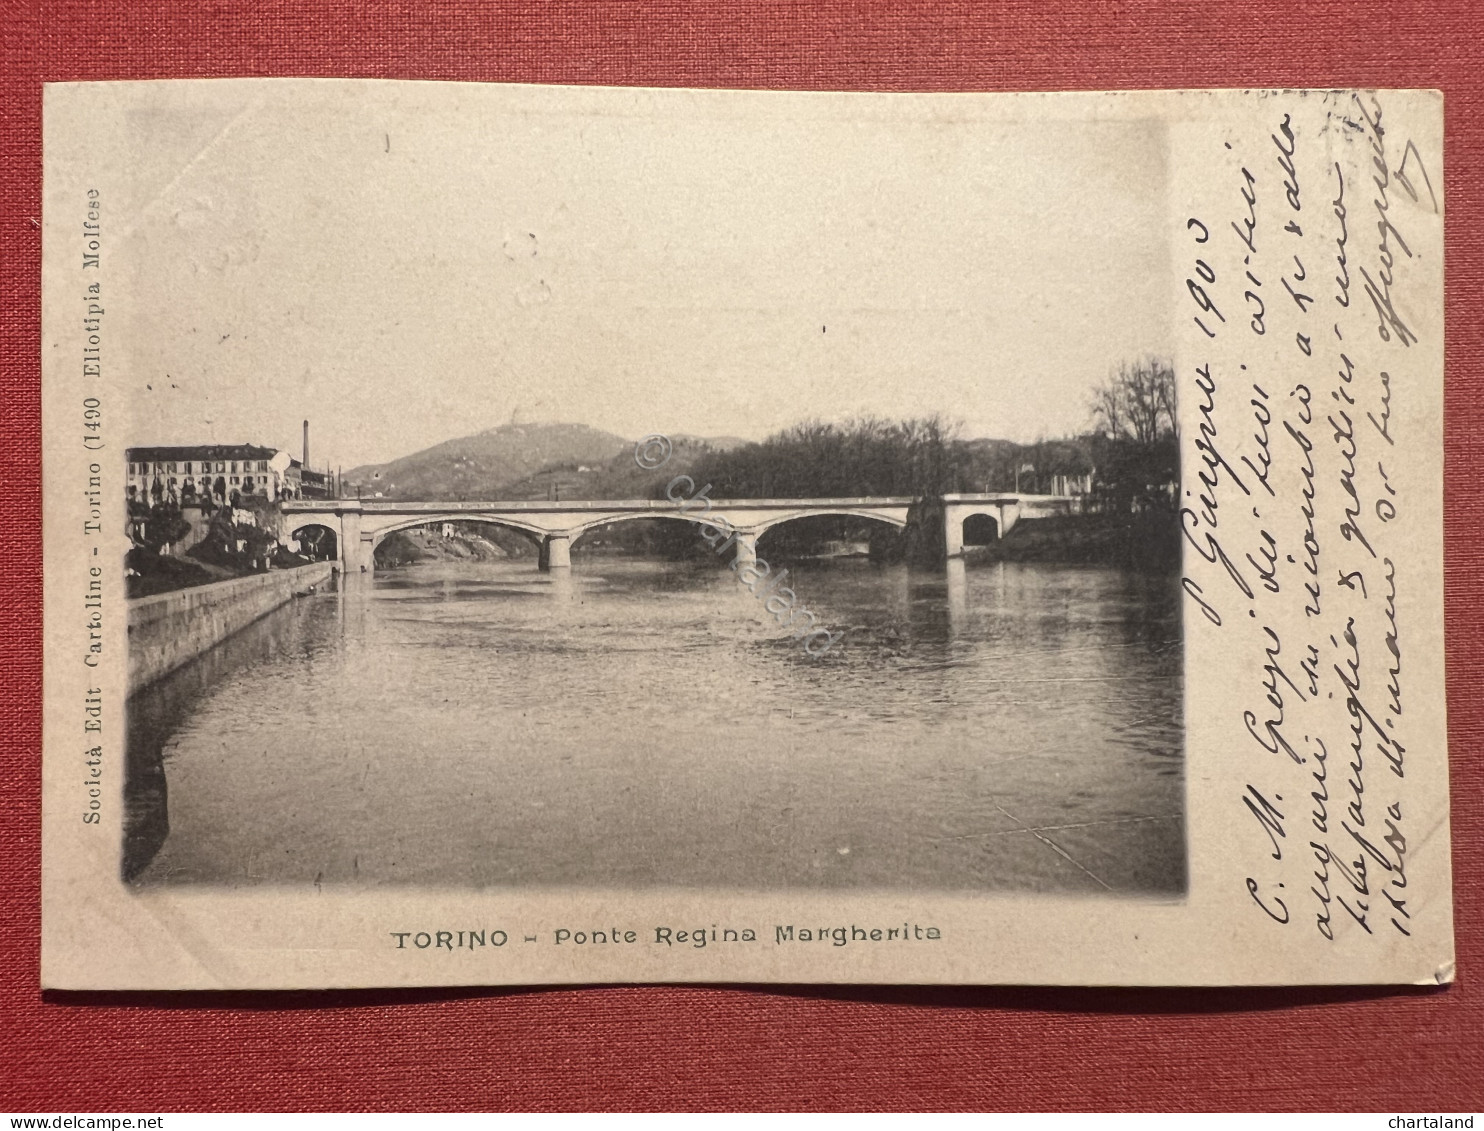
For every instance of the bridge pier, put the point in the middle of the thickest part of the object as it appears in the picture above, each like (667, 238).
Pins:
(745, 546)
(953, 534)
(556, 552)
(355, 553)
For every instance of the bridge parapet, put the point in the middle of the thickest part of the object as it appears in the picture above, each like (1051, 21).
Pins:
(580, 506)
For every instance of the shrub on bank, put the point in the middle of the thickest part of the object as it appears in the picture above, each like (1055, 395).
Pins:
(1146, 540)
(148, 572)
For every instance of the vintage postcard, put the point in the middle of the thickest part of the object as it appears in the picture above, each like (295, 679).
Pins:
(504, 534)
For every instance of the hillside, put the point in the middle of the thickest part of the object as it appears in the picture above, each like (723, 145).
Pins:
(616, 478)
(530, 461)
(482, 465)
(575, 461)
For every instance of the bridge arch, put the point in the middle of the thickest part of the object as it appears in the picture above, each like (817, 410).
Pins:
(325, 522)
(839, 531)
(318, 541)
(592, 524)
(673, 520)
(842, 512)
(375, 538)
(380, 532)
(980, 529)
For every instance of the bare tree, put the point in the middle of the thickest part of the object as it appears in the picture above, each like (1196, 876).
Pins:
(1137, 453)
(863, 456)
(1137, 401)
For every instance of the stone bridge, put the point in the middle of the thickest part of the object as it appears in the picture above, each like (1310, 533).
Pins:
(360, 525)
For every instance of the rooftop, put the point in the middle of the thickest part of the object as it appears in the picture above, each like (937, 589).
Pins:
(201, 452)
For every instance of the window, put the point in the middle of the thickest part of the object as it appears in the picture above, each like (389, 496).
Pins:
(262, 465)
(186, 467)
(234, 468)
(220, 467)
(172, 465)
(234, 478)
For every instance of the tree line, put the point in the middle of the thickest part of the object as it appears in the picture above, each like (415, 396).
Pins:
(865, 456)
(1127, 461)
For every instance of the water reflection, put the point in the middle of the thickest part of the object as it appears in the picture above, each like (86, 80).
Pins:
(632, 723)
(305, 631)
(956, 594)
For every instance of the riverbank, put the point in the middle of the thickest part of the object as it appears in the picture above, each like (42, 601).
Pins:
(1148, 541)
(148, 574)
(168, 630)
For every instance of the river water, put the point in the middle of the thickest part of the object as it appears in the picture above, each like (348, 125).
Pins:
(634, 723)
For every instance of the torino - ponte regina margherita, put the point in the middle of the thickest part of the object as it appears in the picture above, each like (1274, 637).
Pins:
(360, 525)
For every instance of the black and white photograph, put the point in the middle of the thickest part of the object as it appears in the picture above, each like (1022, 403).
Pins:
(518, 535)
(654, 502)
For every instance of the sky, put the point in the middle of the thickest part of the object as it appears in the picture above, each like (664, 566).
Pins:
(402, 266)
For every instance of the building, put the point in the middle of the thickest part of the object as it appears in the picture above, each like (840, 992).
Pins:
(308, 483)
(210, 471)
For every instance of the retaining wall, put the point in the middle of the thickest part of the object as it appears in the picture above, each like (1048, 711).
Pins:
(171, 629)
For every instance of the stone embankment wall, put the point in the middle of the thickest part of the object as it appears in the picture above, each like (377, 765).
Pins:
(171, 629)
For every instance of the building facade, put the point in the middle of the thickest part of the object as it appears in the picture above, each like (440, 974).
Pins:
(308, 483)
(210, 472)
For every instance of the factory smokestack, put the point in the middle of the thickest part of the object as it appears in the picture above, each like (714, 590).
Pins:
(306, 443)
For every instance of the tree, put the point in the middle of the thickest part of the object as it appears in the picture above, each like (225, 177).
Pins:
(1137, 449)
(1137, 402)
(865, 456)
(236, 545)
(154, 527)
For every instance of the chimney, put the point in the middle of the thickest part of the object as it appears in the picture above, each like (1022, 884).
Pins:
(306, 443)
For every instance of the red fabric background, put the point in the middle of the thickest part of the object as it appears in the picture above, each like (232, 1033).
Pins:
(668, 1047)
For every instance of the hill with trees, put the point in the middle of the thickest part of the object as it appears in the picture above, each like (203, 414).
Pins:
(528, 461)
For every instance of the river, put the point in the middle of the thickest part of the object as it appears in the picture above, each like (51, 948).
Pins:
(638, 723)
